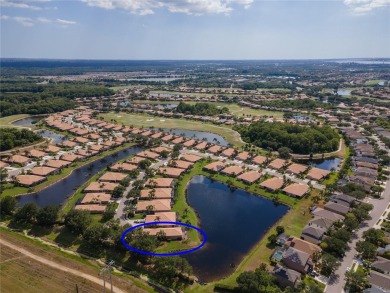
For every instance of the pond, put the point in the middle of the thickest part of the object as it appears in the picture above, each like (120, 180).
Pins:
(199, 135)
(344, 92)
(326, 164)
(58, 193)
(54, 137)
(234, 221)
(29, 121)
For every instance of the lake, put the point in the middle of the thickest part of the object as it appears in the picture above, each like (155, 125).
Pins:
(29, 121)
(234, 221)
(200, 135)
(326, 164)
(344, 92)
(58, 193)
(53, 136)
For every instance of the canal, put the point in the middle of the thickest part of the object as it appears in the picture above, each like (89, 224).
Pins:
(234, 221)
(59, 192)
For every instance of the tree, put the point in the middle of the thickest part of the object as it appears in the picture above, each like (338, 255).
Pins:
(8, 205)
(367, 249)
(272, 239)
(356, 281)
(334, 246)
(351, 223)
(342, 234)
(77, 221)
(279, 230)
(27, 213)
(167, 269)
(144, 164)
(284, 152)
(374, 236)
(94, 235)
(109, 213)
(118, 191)
(258, 281)
(47, 216)
(329, 264)
(164, 154)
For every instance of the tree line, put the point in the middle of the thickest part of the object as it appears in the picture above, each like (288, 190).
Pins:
(202, 109)
(300, 139)
(12, 137)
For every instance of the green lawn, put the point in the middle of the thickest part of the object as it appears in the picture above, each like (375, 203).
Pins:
(143, 120)
(373, 81)
(6, 121)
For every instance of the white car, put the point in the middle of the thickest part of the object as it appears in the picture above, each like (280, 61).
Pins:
(348, 269)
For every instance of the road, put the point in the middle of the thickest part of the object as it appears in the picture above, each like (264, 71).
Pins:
(337, 283)
(57, 266)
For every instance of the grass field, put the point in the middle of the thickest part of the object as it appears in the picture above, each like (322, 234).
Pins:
(137, 120)
(22, 274)
(374, 81)
(6, 121)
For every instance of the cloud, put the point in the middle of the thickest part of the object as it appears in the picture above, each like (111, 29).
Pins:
(65, 22)
(190, 7)
(28, 21)
(362, 7)
(24, 4)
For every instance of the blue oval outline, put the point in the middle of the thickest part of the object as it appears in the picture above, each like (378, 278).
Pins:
(164, 254)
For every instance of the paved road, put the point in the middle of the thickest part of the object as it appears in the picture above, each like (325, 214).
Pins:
(337, 283)
(57, 266)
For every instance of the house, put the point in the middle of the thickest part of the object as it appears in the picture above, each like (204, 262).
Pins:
(259, 160)
(201, 146)
(277, 164)
(180, 164)
(286, 277)
(3, 164)
(101, 187)
(70, 157)
(189, 143)
(92, 208)
(159, 182)
(382, 264)
(317, 174)
(229, 152)
(58, 164)
(157, 205)
(36, 154)
(322, 213)
(124, 167)
(68, 144)
(112, 177)
(29, 180)
(249, 177)
(321, 222)
(190, 158)
(168, 138)
(375, 289)
(160, 149)
(337, 208)
(178, 140)
(96, 198)
(170, 233)
(157, 135)
(159, 193)
(171, 172)
(96, 148)
(232, 170)
(214, 167)
(303, 245)
(244, 156)
(43, 171)
(20, 160)
(161, 217)
(135, 160)
(296, 190)
(272, 184)
(380, 280)
(215, 149)
(82, 140)
(148, 155)
(313, 234)
(342, 199)
(297, 260)
(51, 149)
(296, 169)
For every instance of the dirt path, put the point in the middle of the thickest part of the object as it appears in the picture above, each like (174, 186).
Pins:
(52, 264)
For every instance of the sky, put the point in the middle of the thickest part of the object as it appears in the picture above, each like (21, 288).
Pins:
(195, 29)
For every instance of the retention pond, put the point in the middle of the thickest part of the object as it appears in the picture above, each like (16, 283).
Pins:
(234, 221)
